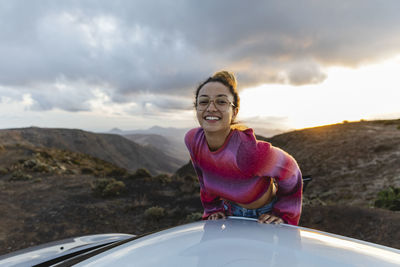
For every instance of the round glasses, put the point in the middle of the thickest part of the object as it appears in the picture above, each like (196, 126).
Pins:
(221, 103)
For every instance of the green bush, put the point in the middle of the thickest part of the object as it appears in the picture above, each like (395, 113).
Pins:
(388, 199)
(35, 165)
(389, 122)
(194, 216)
(20, 176)
(140, 173)
(154, 213)
(189, 184)
(86, 170)
(117, 172)
(3, 171)
(398, 127)
(108, 187)
(163, 178)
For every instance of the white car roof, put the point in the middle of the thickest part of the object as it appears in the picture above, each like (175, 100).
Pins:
(244, 242)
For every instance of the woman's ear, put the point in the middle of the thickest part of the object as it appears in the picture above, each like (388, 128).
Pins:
(235, 112)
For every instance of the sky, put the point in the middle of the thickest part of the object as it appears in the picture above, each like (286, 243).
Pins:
(98, 65)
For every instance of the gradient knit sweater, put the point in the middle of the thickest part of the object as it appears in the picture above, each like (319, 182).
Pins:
(240, 171)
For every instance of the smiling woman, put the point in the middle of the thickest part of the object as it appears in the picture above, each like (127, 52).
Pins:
(238, 174)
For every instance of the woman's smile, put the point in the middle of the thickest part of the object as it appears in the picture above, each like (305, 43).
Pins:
(210, 118)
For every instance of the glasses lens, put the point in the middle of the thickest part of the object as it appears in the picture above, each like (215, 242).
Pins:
(221, 103)
(203, 103)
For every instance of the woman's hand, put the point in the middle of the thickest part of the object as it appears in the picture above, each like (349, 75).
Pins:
(216, 216)
(269, 218)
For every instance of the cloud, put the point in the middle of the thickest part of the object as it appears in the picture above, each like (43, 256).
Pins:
(129, 49)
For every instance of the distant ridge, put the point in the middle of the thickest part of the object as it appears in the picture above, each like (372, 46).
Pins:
(169, 140)
(109, 147)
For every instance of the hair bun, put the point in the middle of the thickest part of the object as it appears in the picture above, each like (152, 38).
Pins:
(227, 76)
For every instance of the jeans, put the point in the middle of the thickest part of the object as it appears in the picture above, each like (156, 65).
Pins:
(236, 210)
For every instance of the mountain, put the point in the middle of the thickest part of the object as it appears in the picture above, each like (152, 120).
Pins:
(169, 140)
(109, 147)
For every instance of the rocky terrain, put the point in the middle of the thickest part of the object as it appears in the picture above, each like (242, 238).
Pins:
(109, 147)
(50, 193)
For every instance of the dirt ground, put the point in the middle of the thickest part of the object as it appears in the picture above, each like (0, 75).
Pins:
(58, 207)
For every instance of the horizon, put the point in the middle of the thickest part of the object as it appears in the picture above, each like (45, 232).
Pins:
(267, 134)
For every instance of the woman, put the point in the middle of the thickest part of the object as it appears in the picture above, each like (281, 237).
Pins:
(238, 174)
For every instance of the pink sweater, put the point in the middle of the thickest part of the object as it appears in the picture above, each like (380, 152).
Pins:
(240, 171)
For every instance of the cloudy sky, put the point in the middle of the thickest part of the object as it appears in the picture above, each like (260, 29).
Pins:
(97, 65)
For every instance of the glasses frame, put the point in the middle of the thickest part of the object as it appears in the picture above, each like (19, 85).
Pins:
(215, 105)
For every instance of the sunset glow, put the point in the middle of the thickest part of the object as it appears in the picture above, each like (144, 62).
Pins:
(367, 92)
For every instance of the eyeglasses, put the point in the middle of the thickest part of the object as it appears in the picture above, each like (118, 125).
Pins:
(221, 103)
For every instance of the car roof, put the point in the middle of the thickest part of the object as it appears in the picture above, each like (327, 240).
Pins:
(65, 248)
(244, 242)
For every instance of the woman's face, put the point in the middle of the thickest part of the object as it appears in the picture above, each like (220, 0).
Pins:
(219, 113)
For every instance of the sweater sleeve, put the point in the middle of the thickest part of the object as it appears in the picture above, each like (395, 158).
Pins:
(284, 169)
(211, 202)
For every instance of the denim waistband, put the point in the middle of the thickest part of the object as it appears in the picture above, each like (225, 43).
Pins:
(236, 210)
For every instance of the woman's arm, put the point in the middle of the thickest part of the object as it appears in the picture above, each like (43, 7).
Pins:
(284, 168)
(212, 204)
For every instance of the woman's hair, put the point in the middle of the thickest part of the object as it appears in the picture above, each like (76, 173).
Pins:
(228, 79)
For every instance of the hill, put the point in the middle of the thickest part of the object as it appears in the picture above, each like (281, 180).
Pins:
(350, 162)
(169, 140)
(167, 145)
(109, 147)
(51, 193)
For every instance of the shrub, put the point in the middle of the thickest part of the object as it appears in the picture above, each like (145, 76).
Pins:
(3, 171)
(154, 213)
(388, 199)
(108, 187)
(389, 122)
(194, 216)
(20, 176)
(398, 127)
(45, 155)
(140, 173)
(87, 171)
(190, 184)
(75, 161)
(163, 178)
(117, 172)
(41, 167)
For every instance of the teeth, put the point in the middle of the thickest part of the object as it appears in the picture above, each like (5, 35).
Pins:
(212, 118)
